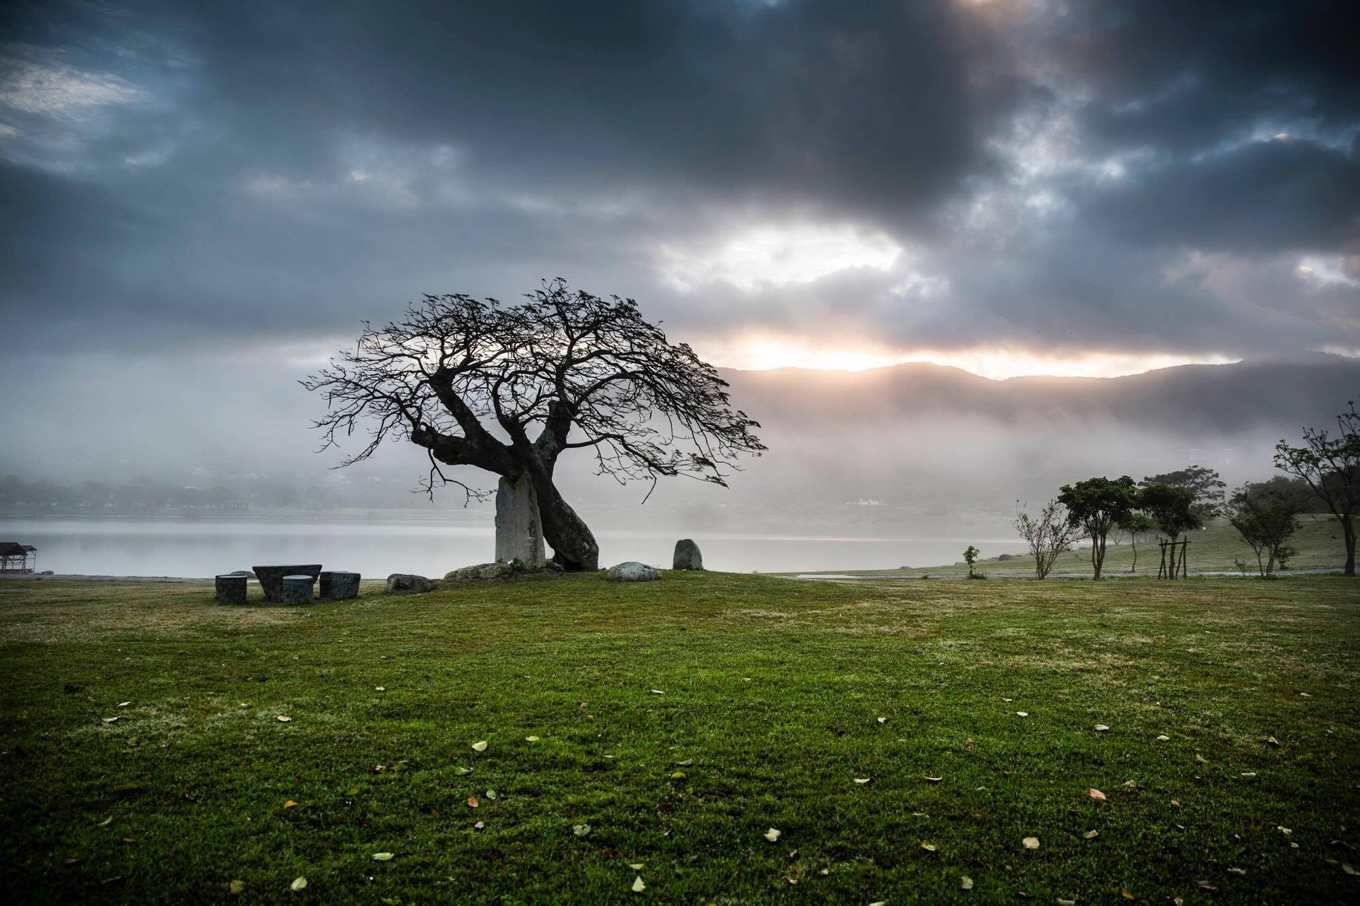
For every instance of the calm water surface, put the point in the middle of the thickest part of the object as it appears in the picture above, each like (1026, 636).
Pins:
(379, 545)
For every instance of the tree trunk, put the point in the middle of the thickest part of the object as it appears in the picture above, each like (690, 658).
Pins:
(1348, 532)
(573, 545)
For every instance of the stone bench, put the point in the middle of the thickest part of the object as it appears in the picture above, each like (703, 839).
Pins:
(297, 589)
(339, 586)
(231, 589)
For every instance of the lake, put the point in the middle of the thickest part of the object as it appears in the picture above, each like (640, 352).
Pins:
(376, 545)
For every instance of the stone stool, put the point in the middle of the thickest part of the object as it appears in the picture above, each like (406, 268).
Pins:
(297, 589)
(338, 586)
(231, 589)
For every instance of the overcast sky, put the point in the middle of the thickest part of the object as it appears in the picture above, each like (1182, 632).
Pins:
(191, 190)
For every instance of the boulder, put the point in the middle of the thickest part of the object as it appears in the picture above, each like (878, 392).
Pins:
(519, 531)
(409, 584)
(632, 571)
(687, 555)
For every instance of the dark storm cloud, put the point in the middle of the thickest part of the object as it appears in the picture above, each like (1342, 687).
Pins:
(1060, 179)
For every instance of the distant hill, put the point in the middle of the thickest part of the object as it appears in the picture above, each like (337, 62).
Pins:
(1190, 398)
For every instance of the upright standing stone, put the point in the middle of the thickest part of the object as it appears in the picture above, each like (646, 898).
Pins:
(687, 555)
(297, 589)
(519, 533)
(231, 589)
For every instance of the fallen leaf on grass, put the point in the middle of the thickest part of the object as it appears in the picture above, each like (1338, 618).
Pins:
(1248, 773)
(1101, 728)
(772, 834)
(479, 746)
(862, 780)
(1096, 794)
(462, 770)
(531, 739)
(283, 719)
(1272, 741)
(124, 704)
(473, 802)
(965, 883)
(636, 866)
(1237, 871)
(479, 825)
(379, 688)
(106, 822)
(580, 830)
(930, 779)
(491, 794)
(1200, 759)
(638, 886)
(236, 888)
(1030, 842)
(1206, 886)
(658, 692)
(382, 857)
(109, 720)
(928, 846)
(1349, 869)
(1279, 827)
(289, 803)
(299, 883)
(1091, 834)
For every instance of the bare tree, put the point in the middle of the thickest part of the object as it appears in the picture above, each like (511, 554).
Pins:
(1048, 535)
(508, 389)
(1331, 466)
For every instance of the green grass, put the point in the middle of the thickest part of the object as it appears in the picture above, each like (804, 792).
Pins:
(1216, 548)
(771, 694)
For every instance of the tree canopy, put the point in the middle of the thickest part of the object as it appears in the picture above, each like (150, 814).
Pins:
(1097, 505)
(509, 388)
(1330, 464)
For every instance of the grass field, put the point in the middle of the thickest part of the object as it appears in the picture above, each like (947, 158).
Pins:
(876, 726)
(1216, 548)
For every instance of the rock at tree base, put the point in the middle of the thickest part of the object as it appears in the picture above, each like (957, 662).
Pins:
(687, 555)
(482, 571)
(632, 571)
(339, 586)
(406, 583)
(519, 532)
(297, 589)
(271, 577)
(231, 588)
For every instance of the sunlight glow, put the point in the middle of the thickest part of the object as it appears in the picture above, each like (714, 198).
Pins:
(765, 353)
(772, 255)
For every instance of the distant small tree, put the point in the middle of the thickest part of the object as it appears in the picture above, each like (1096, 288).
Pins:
(1331, 467)
(1172, 507)
(1265, 515)
(1208, 488)
(1098, 505)
(970, 556)
(1136, 524)
(1048, 535)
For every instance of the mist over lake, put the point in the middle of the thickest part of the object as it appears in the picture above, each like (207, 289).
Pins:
(383, 543)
